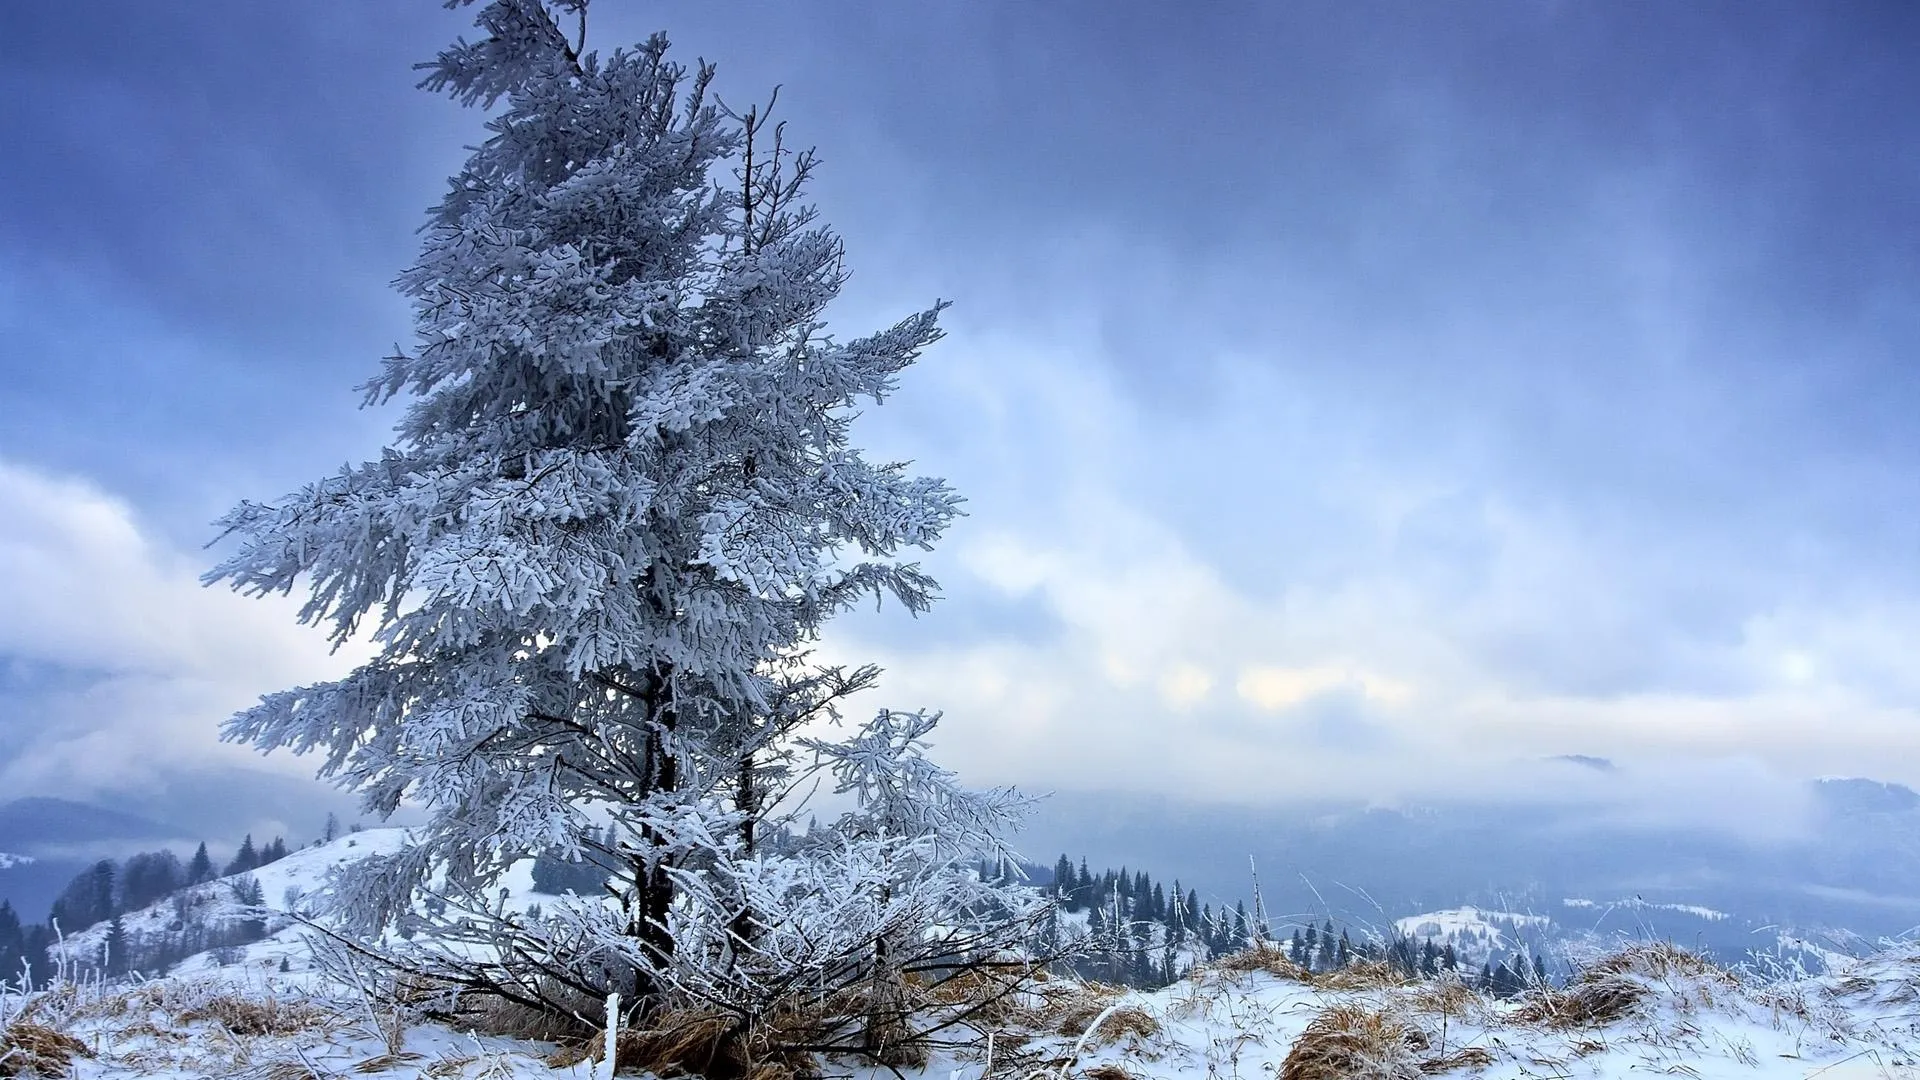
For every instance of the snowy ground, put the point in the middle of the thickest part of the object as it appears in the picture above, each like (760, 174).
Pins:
(1687, 1020)
(1652, 1010)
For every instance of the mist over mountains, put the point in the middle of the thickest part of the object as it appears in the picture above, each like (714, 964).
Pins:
(1854, 869)
(50, 840)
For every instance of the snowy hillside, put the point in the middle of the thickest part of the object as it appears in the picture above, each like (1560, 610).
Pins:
(1477, 936)
(1651, 1009)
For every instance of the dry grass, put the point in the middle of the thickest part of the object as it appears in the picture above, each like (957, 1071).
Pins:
(689, 1042)
(30, 1049)
(1590, 1001)
(1612, 987)
(987, 995)
(1122, 1022)
(1353, 1042)
(283, 1069)
(1064, 1006)
(1269, 959)
(245, 1016)
(1107, 1071)
(494, 1015)
(1467, 1057)
(1659, 960)
(1363, 975)
(383, 1062)
(1446, 996)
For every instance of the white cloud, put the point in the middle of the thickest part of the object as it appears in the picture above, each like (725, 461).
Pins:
(1373, 630)
(150, 662)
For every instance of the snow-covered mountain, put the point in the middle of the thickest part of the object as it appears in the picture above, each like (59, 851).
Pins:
(1854, 870)
(1635, 1008)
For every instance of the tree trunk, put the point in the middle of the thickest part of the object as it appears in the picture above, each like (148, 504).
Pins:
(653, 886)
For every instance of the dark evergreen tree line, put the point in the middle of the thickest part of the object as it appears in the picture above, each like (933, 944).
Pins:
(1146, 933)
(105, 891)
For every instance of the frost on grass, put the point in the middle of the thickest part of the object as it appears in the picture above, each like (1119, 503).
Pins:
(1689, 1018)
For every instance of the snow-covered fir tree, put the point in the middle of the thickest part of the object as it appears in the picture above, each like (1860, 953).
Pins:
(619, 508)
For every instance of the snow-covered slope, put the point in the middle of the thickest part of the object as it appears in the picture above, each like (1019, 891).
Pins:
(1647, 1009)
(1651, 1010)
(1477, 936)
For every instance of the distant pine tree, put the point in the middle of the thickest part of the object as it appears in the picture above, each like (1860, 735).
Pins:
(13, 943)
(200, 868)
(245, 859)
(35, 967)
(118, 962)
(101, 878)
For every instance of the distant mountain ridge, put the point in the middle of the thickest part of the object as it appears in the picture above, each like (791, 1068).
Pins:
(1853, 795)
(47, 841)
(1855, 869)
(38, 823)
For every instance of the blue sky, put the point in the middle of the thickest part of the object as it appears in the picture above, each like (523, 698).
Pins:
(1351, 398)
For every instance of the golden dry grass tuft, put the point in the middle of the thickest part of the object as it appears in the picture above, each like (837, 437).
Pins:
(1262, 958)
(1589, 1001)
(1064, 1006)
(1107, 1071)
(1354, 1042)
(987, 995)
(245, 1016)
(1659, 960)
(1122, 1022)
(1613, 986)
(30, 1049)
(1363, 975)
(691, 1042)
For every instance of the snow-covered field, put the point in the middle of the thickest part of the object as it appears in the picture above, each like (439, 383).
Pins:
(1651, 1010)
(1678, 1018)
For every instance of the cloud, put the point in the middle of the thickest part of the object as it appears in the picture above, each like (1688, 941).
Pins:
(1419, 402)
(1378, 632)
(121, 666)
